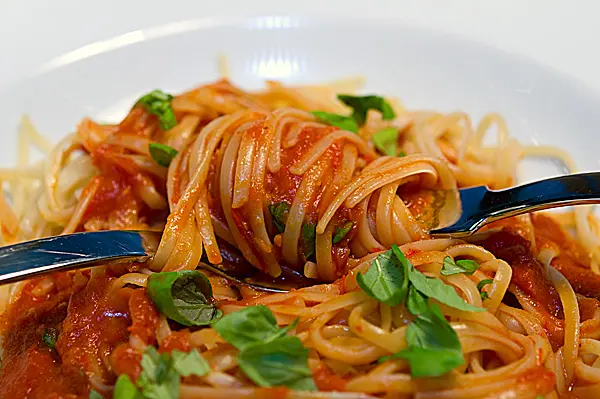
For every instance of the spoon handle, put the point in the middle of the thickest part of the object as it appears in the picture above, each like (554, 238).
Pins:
(72, 251)
(481, 205)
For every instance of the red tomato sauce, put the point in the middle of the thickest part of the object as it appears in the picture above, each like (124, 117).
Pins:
(325, 380)
(97, 320)
(144, 317)
(530, 277)
(126, 360)
(90, 321)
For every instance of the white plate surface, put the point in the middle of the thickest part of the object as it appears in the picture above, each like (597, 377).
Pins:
(425, 68)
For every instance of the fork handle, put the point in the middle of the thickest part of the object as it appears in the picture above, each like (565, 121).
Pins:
(73, 251)
(481, 205)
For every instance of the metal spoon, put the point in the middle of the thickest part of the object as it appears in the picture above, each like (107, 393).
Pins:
(479, 204)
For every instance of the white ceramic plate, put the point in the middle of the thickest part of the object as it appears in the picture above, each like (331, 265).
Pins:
(425, 69)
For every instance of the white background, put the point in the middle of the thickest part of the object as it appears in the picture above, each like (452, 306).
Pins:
(561, 34)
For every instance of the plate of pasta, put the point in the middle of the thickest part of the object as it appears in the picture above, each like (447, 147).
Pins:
(275, 150)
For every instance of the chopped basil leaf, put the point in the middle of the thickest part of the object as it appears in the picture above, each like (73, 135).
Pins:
(280, 362)
(191, 363)
(49, 337)
(361, 104)
(162, 154)
(279, 212)
(432, 330)
(341, 232)
(249, 326)
(481, 284)
(185, 297)
(465, 266)
(433, 346)
(267, 356)
(386, 141)
(161, 373)
(387, 278)
(158, 380)
(163, 367)
(427, 362)
(95, 395)
(309, 237)
(343, 122)
(158, 103)
(125, 389)
(433, 288)
(416, 303)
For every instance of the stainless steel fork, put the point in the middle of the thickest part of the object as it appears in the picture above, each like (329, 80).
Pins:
(479, 207)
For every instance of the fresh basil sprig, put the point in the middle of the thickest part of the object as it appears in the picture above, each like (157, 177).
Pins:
(160, 376)
(387, 278)
(433, 346)
(250, 326)
(281, 362)
(267, 355)
(184, 296)
(158, 103)
(434, 288)
(464, 266)
(416, 303)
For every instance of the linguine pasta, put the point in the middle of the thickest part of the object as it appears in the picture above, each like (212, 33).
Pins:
(259, 179)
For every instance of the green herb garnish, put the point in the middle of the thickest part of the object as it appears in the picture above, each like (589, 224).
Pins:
(184, 296)
(281, 362)
(416, 303)
(481, 284)
(191, 363)
(309, 237)
(158, 379)
(49, 337)
(249, 326)
(387, 278)
(158, 103)
(267, 355)
(125, 389)
(96, 395)
(162, 372)
(279, 212)
(162, 154)
(343, 122)
(433, 288)
(433, 346)
(386, 141)
(464, 266)
(361, 104)
(341, 232)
